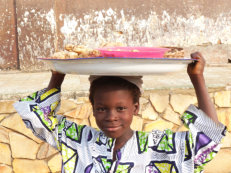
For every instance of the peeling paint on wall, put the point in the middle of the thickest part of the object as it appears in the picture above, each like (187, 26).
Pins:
(8, 52)
(50, 16)
(37, 32)
(155, 30)
(2, 61)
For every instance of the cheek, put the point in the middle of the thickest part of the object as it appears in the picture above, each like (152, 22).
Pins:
(98, 117)
(128, 118)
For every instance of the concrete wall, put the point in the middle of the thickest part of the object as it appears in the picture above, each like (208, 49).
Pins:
(160, 109)
(37, 28)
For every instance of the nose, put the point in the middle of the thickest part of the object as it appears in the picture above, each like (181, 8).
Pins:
(111, 115)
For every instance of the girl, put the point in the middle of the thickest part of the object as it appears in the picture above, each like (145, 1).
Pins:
(116, 147)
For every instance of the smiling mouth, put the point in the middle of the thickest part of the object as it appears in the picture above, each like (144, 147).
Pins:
(112, 128)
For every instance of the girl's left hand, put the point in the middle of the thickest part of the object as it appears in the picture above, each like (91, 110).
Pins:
(196, 67)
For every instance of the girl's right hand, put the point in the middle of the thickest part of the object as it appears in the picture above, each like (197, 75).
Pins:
(57, 73)
(56, 80)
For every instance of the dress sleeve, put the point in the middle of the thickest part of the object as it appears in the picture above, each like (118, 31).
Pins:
(203, 139)
(38, 111)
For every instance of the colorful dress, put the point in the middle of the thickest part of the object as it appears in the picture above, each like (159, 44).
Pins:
(86, 150)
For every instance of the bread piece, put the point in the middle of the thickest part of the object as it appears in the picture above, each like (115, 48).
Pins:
(94, 53)
(113, 44)
(174, 52)
(73, 55)
(69, 47)
(79, 49)
(60, 55)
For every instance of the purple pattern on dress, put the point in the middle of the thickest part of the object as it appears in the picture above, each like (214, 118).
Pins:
(202, 140)
(88, 168)
(118, 155)
(89, 136)
(46, 110)
(201, 158)
(150, 169)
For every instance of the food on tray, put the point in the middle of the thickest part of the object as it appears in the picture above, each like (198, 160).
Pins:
(65, 55)
(69, 47)
(113, 44)
(76, 51)
(174, 52)
(80, 51)
(60, 55)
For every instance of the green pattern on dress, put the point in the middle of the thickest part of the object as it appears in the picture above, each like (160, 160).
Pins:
(106, 163)
(190, 138)
(187, 118)
(165, 167)
(60, 129)
(31, 97)
(68, 153)
(110, 143)
(61, 125)
(166, 141)
(75, 133)
(123, 169)
(199, 169)
(143, 141)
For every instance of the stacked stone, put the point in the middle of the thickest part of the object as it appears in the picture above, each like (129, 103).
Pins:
(21, 151)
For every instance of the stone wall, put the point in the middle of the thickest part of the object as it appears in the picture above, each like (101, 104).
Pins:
(21, 152)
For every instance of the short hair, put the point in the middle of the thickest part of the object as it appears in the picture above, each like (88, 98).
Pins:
(106, 81)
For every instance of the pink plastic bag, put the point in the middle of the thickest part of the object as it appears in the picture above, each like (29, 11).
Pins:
(133, 52)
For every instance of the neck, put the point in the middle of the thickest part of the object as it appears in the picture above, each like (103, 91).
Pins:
(121, 141)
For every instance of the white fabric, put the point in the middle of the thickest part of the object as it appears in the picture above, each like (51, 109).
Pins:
(85, 150)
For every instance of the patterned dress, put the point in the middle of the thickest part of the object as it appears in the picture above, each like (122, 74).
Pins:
(86, 150)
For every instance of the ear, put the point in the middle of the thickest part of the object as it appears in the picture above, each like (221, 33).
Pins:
(137, 108)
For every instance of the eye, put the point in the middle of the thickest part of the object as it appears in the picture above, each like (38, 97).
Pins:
(100, 109)
(121, 108)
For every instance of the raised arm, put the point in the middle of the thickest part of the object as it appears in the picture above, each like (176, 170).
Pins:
(38, 110)
(56, 80)
(195, 71)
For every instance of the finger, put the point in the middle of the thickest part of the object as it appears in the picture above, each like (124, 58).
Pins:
(196, 54)
(198, 57)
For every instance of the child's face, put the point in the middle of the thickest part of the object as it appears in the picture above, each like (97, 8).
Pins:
(113, 110)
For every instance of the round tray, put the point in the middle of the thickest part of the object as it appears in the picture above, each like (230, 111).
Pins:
(118, 66)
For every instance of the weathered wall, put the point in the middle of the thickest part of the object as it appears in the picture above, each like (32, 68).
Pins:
(8, 36)
(36, 31)
(45, 26)
(159, 109)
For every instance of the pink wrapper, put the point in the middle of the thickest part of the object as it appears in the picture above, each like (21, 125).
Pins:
(133, 52)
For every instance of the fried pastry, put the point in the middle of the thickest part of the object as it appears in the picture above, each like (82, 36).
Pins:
(69, 47)
(174, 52)
(76, 51)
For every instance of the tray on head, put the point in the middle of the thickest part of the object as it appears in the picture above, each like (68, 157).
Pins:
(118, 66)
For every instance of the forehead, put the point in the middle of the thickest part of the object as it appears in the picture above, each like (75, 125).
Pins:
(112, 94)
